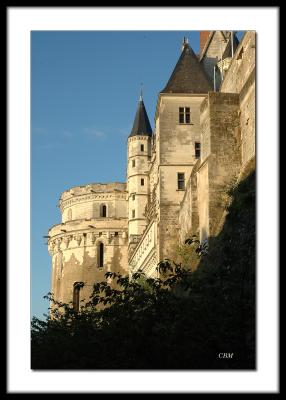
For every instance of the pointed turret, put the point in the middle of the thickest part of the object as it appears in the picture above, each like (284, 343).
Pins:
(141, 126)
(188, 75)
(138, 156)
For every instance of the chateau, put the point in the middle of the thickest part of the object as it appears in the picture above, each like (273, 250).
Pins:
(177, 175)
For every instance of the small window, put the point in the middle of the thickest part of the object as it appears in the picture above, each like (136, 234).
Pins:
(100, 255)
(103, 210)
(181, 181)
(142, 181)
(133, 213)
(76, 295)
(115, 233)
(133, 163)
(197, 149)
(100, 234)
(184, 115)
(142, 147)
(133, 196)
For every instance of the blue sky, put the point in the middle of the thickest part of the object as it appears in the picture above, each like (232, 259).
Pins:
(85, 87)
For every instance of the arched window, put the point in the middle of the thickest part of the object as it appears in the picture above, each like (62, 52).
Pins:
(76, 295)
(103, 210)
(100, 255)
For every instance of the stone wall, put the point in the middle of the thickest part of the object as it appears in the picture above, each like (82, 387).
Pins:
(145, 255)
(86, 201)
(176, 154)
(220, 167)
(188, 214)
(75, 246)
(240, 78)
(77, 261)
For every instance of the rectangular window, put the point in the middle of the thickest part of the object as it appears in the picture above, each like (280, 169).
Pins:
(133, 163)
(100, 255)
(133, 213)
(142, 147)
(188, 118)
(197, 149)
(76, 291)
(184, 115)
(181, 115)
(133, 196)
(115, 233)
(181, 181)
(142, 181)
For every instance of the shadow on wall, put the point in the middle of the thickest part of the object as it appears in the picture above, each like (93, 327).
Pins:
(116, 261)
(227, 274)
(86, 271)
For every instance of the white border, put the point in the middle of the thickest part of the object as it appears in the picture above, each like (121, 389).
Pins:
(20, 22)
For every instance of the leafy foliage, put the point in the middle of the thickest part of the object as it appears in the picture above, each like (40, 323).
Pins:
(180, 320)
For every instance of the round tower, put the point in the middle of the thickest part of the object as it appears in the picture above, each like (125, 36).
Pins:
(139, 153)
(90, 240)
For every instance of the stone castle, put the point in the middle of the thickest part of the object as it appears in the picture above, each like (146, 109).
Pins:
(177, 176)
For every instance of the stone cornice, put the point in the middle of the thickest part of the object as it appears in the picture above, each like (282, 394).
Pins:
(137, 194)
(140, 155)
(96, 188)
(85, 238)
(81, 198)
(138, 174)
(138, 137)
(87, 223)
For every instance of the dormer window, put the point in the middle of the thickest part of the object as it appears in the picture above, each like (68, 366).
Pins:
(184, 115)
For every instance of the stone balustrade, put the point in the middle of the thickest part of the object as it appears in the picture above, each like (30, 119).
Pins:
(144, 256)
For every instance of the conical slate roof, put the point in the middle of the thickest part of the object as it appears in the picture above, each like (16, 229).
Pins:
(141, 126)
(188, 75)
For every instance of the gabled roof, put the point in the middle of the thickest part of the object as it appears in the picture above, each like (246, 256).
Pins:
(188, 75)
(206, 45)
(227, 37)
(141, 125)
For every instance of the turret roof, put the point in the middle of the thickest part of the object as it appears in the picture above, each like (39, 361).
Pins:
(188, 75)
(141, 125)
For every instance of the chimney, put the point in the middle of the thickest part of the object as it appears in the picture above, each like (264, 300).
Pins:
(203, 38)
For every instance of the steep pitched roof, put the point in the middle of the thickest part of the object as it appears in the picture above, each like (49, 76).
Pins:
(226, 35)
(141, 125)
(188, 75)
